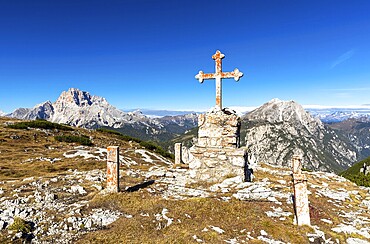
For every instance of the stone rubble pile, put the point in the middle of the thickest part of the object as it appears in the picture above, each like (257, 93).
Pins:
(55, 207)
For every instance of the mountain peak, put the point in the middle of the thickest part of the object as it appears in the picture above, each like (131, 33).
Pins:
(275, 100)
(277, 110)
(74, 97)
(278, 129)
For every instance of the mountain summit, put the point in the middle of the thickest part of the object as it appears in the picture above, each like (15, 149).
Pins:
(79, 108)
(278, 129)
(75, 97)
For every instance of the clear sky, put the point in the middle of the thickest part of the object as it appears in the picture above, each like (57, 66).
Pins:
(145, 53)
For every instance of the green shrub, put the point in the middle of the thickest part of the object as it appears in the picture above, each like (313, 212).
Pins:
(149, 145)
(20, 225)
(359, 179)
(83, 140)
(152, 146)
(353, 173)
(120, 135)
(41, 124)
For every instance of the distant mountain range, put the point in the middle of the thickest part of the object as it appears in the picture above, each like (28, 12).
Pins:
(325, 114)
(332, 115)
(272, 132)
(153, 113)
(79, 108)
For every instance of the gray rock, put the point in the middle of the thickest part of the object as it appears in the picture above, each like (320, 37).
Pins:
(50, 197)
(356, 241)
(71, 219)
(88, 223)
(78, 189)
(2, 224)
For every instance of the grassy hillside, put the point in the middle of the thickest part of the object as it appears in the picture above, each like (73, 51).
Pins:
(353, 173)
(30, 148)
(155, 205)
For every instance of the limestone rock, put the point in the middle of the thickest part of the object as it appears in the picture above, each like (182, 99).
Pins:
(78, 189)
(279, 129)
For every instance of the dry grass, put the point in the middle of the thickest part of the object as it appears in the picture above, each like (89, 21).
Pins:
(190, 217)
(20, 151)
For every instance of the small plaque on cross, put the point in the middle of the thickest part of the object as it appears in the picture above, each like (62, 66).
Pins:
(219, 75)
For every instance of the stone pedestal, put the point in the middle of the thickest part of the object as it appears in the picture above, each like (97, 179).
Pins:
(113, 169)
(214, 164)
(219, 129)
(216, 153)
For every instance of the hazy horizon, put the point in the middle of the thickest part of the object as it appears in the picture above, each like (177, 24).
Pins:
(235, 107)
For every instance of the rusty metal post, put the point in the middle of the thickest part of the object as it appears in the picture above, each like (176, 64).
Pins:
(301, 206)
(113, 169)
(219, 93)
(178, 153)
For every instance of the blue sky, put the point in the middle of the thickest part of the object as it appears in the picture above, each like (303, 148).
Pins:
(145, 53)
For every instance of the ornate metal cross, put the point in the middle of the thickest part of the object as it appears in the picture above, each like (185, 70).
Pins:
(218, 75)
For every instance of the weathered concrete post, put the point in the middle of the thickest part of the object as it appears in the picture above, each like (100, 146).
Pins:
(302, 211)
(113, 169)
(178, 153)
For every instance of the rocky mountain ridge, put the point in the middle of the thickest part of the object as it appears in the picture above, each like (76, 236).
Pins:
(278, 129)
(79, 108)
(274, 131)
(357, 131)
(335, 115)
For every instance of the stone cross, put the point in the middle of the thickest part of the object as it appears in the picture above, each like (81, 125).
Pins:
(219, 75)
(113, 169)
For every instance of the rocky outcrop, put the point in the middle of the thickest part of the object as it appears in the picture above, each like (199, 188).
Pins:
(278, 129)
(178, 124)
(357, 131)
(35, 208)
(79, 108)
(41, 111)
(20, 113)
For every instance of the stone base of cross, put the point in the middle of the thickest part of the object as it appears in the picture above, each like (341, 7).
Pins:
(218, 76)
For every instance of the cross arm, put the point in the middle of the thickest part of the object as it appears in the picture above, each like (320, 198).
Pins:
(201, 76)
(236, 74)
